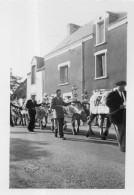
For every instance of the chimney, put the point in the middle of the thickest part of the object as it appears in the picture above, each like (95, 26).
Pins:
(72, 28)
(112, 16)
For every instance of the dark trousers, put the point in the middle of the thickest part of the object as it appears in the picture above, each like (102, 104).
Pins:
(32, 114)
(60, 122)
(117, 118)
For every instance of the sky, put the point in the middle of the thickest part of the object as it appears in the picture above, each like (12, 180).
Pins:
(35, 27)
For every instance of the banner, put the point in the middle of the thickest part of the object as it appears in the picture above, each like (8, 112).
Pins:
(98, 101)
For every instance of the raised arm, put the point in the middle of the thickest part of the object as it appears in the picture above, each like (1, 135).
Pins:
(37, 105)
(66, 104)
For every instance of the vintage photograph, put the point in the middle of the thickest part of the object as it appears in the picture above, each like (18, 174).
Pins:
(68, 83)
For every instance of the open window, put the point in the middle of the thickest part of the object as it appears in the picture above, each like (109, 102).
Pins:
(100, 32)
(63, 73)
(101, 64)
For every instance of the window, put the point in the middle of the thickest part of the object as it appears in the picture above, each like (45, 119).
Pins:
(33, 75)
(63, 72)
(100, 64)
(100, 32)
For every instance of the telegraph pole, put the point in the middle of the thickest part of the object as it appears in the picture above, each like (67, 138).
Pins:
(36, 22)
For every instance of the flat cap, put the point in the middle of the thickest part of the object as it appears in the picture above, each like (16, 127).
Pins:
(120, 83)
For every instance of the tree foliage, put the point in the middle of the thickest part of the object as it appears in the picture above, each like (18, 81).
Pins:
(15, 82)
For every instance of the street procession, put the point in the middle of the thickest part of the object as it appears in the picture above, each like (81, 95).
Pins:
(68, 116)
(55, 109)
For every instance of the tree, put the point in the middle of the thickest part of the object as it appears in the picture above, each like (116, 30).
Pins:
(15, 82)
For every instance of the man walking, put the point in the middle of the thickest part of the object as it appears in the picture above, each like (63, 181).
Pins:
(57, 104)
(116, 101)
(30, 105)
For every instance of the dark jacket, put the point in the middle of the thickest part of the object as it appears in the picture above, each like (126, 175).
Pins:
(32, 104)
(57, 104)
(114, 101)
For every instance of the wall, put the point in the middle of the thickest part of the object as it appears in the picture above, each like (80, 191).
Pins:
(43, 82)
(116, 45)
(28, 86)
(89, 64)
(31, 89)
(74, 72)
(39, 86)
(117, 54)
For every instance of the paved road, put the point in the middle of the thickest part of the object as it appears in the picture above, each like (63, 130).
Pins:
(40, 160)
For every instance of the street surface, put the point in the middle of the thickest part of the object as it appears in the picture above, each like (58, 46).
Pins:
(40, 160)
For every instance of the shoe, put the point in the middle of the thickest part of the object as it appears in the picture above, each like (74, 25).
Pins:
(31, 131)
(63, 138)
(103, 138)
(89, 133)
(55, 135)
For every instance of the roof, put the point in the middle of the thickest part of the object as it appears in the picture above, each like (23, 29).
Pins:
(116, 16)
(20, 92)
(82, 32)
(122, 14)
(85, 31)
(39, 61)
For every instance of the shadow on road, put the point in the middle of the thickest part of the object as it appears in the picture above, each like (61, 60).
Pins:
(95, 140)
(96, 134)
(25, 149)
(35, 131)
(19, 132)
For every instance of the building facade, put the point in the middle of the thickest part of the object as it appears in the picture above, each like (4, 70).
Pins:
(93, 56)
(105, 55)
(35, 79)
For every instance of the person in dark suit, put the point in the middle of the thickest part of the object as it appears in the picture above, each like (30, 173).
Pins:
(57, 104)
(116, 101)
(31, 105)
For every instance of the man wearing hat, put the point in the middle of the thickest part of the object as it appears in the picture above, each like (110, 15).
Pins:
(116, 101)
(31, 105)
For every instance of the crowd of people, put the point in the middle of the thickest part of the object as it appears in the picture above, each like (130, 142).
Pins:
(116, 101)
